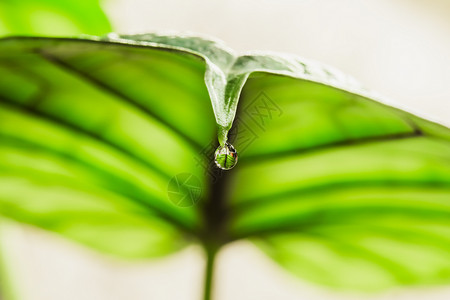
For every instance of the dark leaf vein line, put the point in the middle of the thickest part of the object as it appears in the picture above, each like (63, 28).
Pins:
(303, 192)
(119, 95)
(331, 146)
(111, 178)
(73, 128)
(301, 222)
(399, 271)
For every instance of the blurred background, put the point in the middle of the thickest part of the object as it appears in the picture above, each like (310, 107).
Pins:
(398, 48)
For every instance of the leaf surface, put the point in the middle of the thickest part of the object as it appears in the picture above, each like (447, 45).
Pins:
(333, 183)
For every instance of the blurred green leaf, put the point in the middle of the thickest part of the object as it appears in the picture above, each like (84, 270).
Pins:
(87, 150)
(52, 17)
(336, 186)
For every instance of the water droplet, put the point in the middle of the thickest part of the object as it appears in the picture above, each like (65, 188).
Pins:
(226, 157)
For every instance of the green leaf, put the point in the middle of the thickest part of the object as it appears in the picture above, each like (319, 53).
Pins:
(99, 136)
(76, 116)
(342, 190)
(52, 17)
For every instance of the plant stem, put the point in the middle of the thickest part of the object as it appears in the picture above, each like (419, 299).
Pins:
(214, 234)
(209, 272)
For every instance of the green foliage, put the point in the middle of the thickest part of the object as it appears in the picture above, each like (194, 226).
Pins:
(338, 188)
(52, 17)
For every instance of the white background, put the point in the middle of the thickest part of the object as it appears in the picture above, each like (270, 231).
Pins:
(399, 48)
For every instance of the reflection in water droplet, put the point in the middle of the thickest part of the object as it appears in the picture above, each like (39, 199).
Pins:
(226, 157)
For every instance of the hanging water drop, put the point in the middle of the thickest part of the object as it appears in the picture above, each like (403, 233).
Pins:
(226, 157)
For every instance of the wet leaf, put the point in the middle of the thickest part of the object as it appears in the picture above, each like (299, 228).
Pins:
(111, 142)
